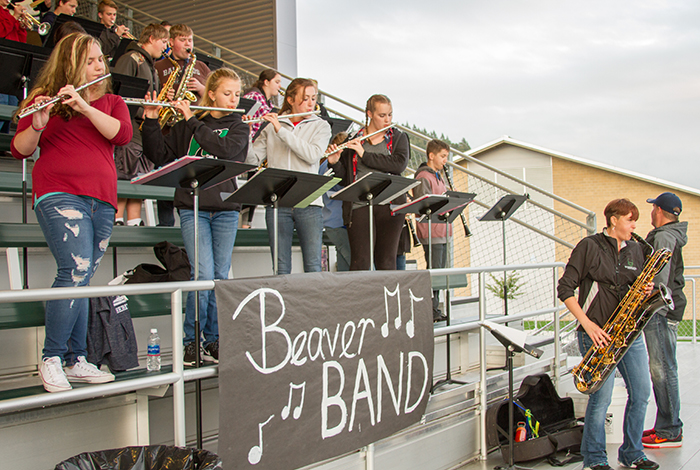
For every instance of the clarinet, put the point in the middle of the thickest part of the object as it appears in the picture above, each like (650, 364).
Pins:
(448, 178)
(412, 231)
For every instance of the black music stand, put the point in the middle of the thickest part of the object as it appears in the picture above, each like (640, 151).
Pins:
(375, 189)
(93, 28)
(281, 188)
(514, 342)
(502, 211)
(439, 209)
(21, 63)
(195, 173)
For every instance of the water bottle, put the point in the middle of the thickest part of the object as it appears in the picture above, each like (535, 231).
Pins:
(153, 361)
(520, 432)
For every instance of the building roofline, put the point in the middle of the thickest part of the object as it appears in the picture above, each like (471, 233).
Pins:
(583, 161)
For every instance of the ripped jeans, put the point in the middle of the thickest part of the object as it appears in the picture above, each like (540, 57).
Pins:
(77, 230)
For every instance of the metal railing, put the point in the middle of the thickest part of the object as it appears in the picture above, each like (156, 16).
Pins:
(179, 375)
(468, 326)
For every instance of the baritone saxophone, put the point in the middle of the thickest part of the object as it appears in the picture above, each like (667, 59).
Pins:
(625, 324)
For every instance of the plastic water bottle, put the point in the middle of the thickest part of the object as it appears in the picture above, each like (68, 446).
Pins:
(153, 361)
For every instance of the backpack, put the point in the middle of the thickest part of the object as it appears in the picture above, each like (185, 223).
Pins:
(177, 266)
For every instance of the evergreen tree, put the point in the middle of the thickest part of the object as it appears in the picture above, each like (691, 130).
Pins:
(417, 157)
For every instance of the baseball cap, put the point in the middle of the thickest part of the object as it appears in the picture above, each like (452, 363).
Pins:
(668, 202)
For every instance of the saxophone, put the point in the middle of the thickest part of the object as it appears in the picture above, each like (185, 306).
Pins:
(163, 95)
(625, 324)
(169, 116)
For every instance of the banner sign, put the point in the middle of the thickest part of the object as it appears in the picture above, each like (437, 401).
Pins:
(316, 365)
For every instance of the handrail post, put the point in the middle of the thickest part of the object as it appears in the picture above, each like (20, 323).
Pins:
(557, 332)
(483, 394)
(179, 433)
(695, 327)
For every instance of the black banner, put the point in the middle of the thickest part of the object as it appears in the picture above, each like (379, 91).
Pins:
(313, 366)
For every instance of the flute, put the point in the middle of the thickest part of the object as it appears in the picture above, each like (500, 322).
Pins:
(39, 106)
(251, 121)
(168, 104)
(364, 137)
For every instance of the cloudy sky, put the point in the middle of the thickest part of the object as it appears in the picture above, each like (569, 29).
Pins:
(617, 82)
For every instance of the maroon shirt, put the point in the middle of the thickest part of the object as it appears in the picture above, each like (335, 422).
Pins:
(75, 158)
(10, 27)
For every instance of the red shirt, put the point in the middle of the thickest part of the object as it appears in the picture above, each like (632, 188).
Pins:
(75, 158)
(10, 28)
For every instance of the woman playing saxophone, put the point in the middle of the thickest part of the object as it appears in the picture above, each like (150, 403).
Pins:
(603, 267)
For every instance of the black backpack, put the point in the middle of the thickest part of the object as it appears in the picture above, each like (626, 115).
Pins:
(177, 266)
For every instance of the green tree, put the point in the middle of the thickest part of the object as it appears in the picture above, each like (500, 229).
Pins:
(512, 283)
(418, 157)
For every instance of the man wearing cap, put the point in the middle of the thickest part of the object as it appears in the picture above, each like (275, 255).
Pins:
(662, 330)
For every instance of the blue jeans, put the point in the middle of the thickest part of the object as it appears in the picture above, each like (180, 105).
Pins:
(217, 234)
(309, 225)
(661, 335)
(635, 371)
(77, 230)
(339, 237)
(10, 100)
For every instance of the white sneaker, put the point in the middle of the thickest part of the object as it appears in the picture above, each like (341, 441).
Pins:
(52, 375)
(84, 372)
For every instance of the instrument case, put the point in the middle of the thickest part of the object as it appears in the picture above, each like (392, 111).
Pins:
(558, 430)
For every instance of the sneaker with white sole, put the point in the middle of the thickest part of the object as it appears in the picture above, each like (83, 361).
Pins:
(211, 352)
(52, 375)
(84, 372)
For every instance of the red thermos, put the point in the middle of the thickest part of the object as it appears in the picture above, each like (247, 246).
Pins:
(520, 432)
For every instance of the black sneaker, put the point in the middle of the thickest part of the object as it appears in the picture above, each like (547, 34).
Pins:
(211, 352)
(642, 464)
(190, 354)
(438, 315)
(604, 466)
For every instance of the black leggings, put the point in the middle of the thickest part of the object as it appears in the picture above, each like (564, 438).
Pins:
(387, 230)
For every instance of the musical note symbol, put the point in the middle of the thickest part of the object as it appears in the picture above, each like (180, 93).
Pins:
(397, 321)
(410, 324)
(255, 453)
(288, 406)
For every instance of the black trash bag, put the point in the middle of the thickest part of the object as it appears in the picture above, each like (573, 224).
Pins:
(177, 266)
(144, 458)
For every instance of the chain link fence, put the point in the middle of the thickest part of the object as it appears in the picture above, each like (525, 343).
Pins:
(536, 233)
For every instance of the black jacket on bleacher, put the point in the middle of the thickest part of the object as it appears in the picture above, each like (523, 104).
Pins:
(225, 138)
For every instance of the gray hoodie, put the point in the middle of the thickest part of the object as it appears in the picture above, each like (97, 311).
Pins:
(673, 236)
(297, 148)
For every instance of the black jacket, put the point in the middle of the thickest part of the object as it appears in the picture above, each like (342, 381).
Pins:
(225, 138)
(674, 237)
(602, 274)
(136, 62)
(394, 164)
(111, 337)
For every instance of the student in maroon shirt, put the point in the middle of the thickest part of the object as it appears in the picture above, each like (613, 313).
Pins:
(74, 192)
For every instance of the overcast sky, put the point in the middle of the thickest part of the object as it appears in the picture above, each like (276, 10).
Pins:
(617, 82)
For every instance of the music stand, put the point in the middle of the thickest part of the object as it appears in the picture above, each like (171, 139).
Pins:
(127, 86)
(281, 188)
(195, 173)
(93, 28)
(514, 342)
(439, 209)
(502, 211)
(22, 63)
(375, 189)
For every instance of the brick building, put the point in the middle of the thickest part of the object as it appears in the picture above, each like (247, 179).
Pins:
(589, 184)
